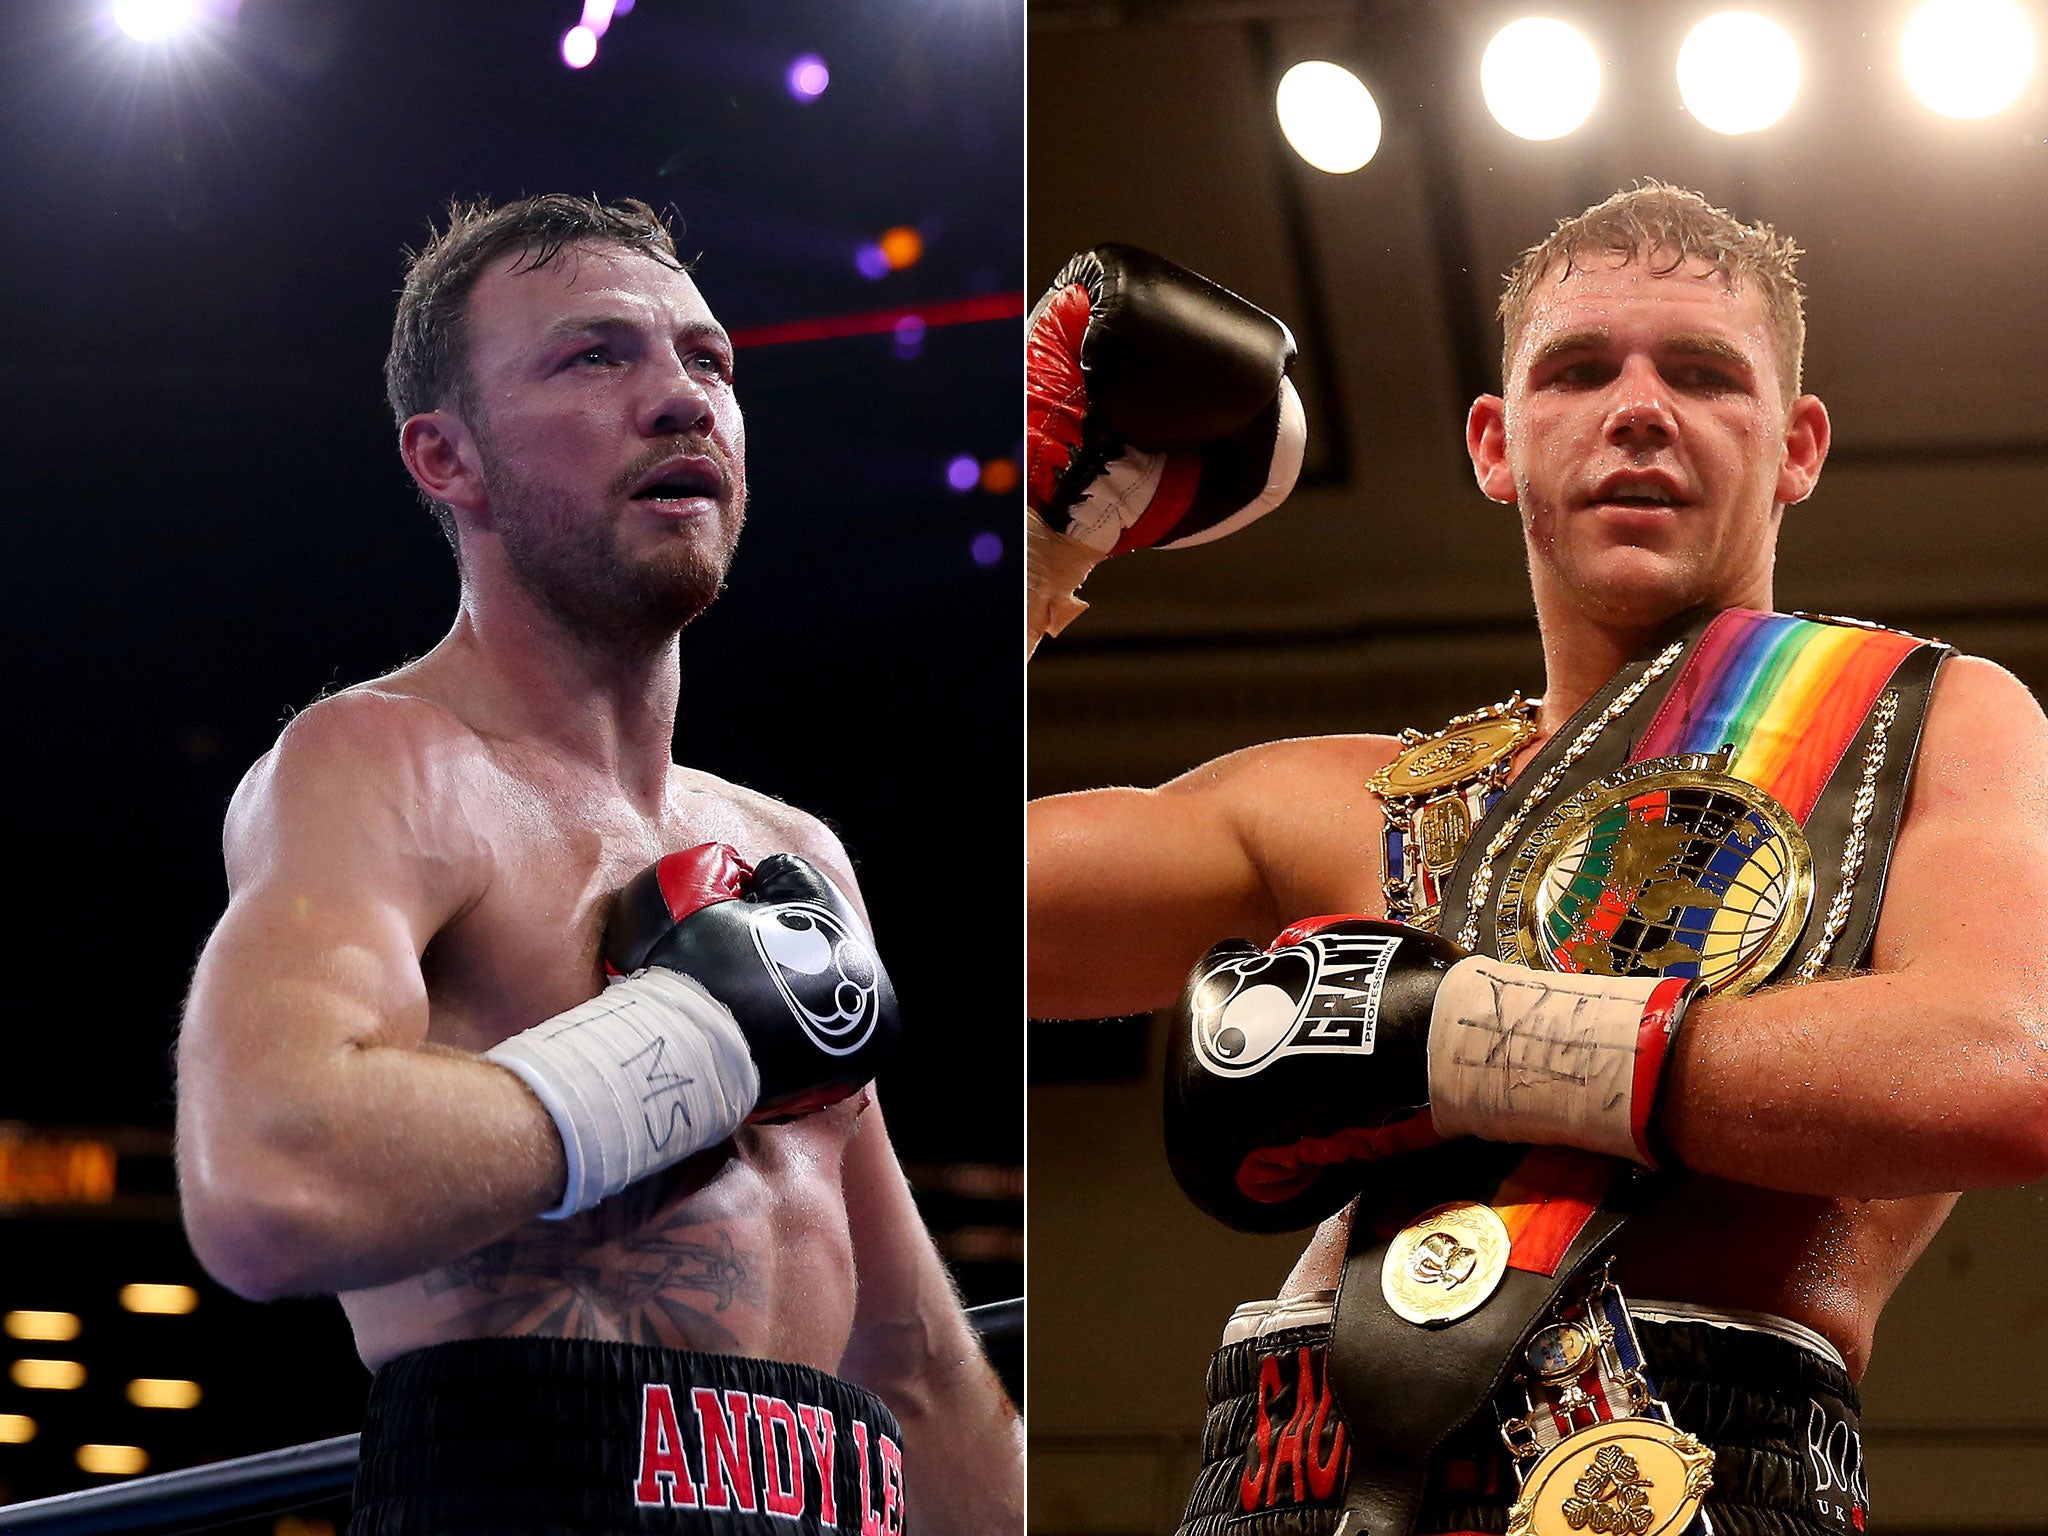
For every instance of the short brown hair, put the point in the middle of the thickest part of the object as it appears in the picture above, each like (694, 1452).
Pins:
(428, 365)
(1653, 218)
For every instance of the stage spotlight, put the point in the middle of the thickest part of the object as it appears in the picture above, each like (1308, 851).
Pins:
(1738, 72)
(1968, 58)
(597, 15)
(579, 46)
(807, 77)
(149, 21)
(1328, 116)
(1541, 78)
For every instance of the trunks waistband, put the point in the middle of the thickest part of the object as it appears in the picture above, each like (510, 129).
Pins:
(534, 1436)
(1781, 1415)
(1315, 1308)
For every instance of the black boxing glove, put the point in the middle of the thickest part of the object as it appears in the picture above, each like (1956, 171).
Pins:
(1347, 1041)
(783, 950)
(1158, 414)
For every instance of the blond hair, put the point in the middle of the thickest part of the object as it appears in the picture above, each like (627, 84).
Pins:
(1655, 222)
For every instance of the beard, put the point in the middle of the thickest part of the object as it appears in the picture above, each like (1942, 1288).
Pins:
(570, 558)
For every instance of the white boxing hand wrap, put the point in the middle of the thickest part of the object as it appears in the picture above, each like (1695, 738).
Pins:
(641, 1076)
(1551, 1058)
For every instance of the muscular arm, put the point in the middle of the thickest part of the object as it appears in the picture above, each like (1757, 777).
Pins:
(1128, 887)
(323, 1145)
(1932, 1073)
(912, 1345)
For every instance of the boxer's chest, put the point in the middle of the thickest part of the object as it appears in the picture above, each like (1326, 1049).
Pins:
(556, 852)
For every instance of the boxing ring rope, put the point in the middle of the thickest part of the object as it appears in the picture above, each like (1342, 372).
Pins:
(197, 1497)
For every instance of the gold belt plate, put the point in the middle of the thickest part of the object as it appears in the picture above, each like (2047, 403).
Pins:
(1451, 756)
(1445, 1263)
(1627, 1477)
(1668, 866)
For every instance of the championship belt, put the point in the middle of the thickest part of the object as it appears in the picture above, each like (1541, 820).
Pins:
(1722, 810)
(1434, 792)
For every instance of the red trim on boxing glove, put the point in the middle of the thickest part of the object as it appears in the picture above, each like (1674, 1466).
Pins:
(694, 878)
(1055, 390)
(1653, 1039)
(1272, 1174)
(1302, 927)
(1179, 478)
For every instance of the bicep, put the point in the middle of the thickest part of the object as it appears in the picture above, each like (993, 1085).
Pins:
(1129, 886)
(334, 897)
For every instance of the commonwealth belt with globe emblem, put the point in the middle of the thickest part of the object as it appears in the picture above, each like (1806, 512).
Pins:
(1722, 810)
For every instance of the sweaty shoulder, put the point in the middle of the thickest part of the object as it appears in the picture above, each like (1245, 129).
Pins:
(386, 774)
(1985, 737)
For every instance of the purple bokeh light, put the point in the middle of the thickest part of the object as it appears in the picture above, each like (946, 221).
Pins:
(598, 14)
(621, 8)
(808, 77)
(579, 46)
(909, 336)
(987, 548)
(963, 473)
(870, 261)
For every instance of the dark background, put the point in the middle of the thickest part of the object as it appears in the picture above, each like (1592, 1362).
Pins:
(208, 525)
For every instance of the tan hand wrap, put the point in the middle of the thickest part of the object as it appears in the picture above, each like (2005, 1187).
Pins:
(1549, 1058)
(1054, 565)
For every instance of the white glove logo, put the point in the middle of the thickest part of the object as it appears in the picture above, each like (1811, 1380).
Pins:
(1320, 995)
(826, 973)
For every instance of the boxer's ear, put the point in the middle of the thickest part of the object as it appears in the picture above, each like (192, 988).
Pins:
(441, 456)
(1806, 449)
(1486, 440)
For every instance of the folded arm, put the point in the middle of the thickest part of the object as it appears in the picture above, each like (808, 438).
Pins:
(323, 1144)
(1931, 1073)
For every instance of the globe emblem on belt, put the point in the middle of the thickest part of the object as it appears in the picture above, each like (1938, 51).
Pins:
(1666, 867)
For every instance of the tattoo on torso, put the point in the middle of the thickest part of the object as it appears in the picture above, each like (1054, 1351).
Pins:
(615, 1272)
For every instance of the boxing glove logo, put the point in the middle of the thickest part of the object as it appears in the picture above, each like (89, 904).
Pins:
(1321, 994)
(827, 974)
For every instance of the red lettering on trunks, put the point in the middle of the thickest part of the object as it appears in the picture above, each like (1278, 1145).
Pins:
(892, 1485)
(727, 1439)
(1310, 1444)
(869, 1525)
(782, 1458)
(664, 1470)
(821, 1430)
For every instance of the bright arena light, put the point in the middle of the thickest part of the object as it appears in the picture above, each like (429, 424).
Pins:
(807, 77)
(1968, 58)
(1541, 78)
(1738, 72)
(1328, 116)
(148, 21)
(579, 46)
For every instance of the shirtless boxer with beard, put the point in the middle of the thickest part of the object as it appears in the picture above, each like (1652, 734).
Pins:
(634, 1256)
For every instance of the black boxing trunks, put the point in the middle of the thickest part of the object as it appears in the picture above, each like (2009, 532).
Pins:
(1772, 1399)
(572, 1437)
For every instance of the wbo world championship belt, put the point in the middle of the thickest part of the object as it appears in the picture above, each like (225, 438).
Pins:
(1722, 810)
